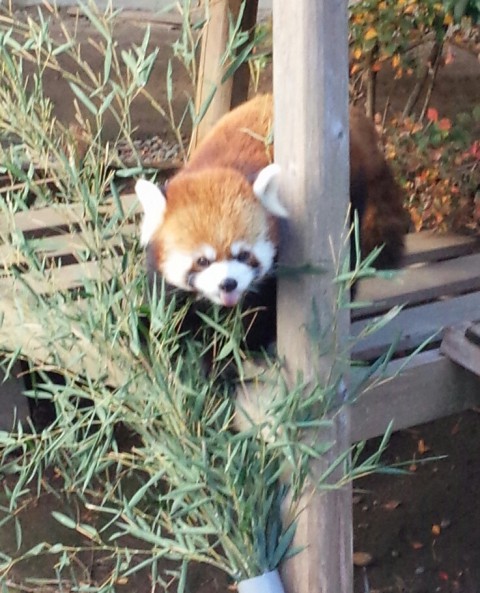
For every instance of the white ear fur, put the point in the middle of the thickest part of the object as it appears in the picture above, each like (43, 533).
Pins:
(265, 188)
(154, 204)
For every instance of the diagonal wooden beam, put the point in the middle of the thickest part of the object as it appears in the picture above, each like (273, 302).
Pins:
(215, 37)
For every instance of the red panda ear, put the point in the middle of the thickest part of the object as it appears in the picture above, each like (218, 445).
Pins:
(153, 203)
(266, 187)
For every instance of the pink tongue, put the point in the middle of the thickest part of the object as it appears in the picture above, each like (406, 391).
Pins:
(229, 299)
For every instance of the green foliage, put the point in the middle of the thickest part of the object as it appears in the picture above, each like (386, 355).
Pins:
(439, 161)
(187, 484)
(73, 158)
(463, 8)
(390, 28)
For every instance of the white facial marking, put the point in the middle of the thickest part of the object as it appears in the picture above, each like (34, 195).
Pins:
(209, 281)
(154, 204)
(176, 268)
(238, 246)
(223, 282)
(207, 251)
(265, 252)
(266, 188)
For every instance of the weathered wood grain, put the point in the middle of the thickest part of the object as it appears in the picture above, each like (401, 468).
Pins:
(427, 246)
(23, 322)
(60, 215)
(461, 349)
(428, 387)
(210, 69)
(411, 327)
(419, 284)
(56, 279)
(67, 244)
(311, 147)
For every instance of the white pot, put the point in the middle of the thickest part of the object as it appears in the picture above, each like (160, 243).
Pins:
(268, 582)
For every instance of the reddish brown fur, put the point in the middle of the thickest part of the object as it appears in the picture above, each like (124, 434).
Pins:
(220, 195)
(241, 140)
(216, 183)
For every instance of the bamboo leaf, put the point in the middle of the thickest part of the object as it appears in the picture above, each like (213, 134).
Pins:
(83, 98)
(64, 520)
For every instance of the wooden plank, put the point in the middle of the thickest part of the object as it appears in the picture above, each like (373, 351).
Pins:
(459, 348)
(428, 246)
(410, 392)
(21, 323)
(411, 327)
(428, 388)
(210, 70)
(64, 278)
(310, 43)
(66, 244)
(419, 284)
(62, 215)
(472, 333)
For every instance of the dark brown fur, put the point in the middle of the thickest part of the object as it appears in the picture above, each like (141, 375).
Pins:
(384, 220)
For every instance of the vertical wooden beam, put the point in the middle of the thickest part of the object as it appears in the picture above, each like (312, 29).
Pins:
(311, 146)
(210, 72)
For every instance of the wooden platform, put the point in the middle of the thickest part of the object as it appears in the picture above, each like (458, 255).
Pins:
(462, 345)
(63, 241)
(439, 290)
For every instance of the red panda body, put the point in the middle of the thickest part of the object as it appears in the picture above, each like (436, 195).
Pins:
(215, 233)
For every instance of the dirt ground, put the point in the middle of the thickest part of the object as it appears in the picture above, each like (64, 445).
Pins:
(422, 530)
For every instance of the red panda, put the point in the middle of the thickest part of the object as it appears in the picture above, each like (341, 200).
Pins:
(214, 230)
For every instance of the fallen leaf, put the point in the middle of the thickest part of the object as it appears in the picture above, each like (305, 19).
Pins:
(396, 61)
(456, 428)
(422, 447)
(417, 545)
(449, 55)
(448, 19)
(362, 558)
(391, 505)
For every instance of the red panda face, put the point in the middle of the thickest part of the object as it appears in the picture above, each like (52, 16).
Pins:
(214, 234)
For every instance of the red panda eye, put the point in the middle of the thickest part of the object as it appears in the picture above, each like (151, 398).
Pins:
(203, 262)
(243, 256)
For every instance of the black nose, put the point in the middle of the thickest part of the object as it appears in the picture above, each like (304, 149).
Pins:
(229, 285)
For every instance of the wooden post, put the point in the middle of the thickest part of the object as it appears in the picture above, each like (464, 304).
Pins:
(311, 146)
(210, 71)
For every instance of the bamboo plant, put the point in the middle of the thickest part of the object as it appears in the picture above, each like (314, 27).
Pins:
(186, 484)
